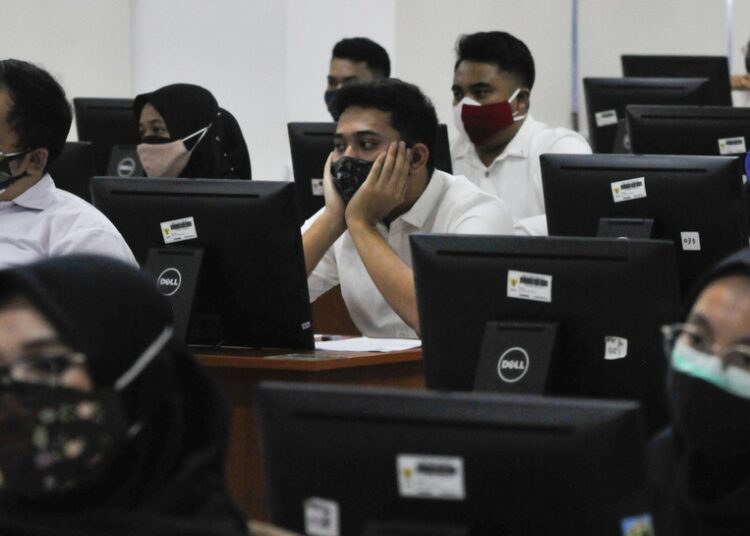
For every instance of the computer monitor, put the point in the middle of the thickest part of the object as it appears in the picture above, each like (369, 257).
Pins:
(355, 461)
(697, 130)
(310, 145)
(73, 168)
(105, 123)
(715, 68)
(606, 99)
(252, 289)
(694, 201)
(599, 292)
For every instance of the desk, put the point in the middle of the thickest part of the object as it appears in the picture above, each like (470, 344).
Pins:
(240, 370)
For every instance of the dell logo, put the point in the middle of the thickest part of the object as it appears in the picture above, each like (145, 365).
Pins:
(126, 167)
(513, 364)
(169, 281)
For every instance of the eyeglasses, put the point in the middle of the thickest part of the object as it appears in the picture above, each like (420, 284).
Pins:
(47, 370)
(696, 338)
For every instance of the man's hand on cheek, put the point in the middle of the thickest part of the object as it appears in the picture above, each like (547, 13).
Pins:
(384, 189)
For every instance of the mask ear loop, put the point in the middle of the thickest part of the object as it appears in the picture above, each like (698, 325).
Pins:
(511, 99)
(202, 133)
(148, 354)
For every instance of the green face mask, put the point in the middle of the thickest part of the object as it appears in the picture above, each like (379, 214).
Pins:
(710, 368)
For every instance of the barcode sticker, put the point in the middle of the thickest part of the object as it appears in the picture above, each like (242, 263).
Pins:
(528, 286)
(178, 230)
(732, 145)
(431, 477)
(629, 189)
(606, 118)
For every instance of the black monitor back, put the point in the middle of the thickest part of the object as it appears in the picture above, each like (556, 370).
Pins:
(715, 68)
(696, 130)
(73, 168)
(598, 288)
(606, 99)
(527, 465)
(310, 145)
(105, 123)
(695, 201)
(253, 276)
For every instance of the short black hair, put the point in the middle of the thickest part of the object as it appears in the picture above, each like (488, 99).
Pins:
(40, 115)
(361, 49)
(411, 112)
(508, 53)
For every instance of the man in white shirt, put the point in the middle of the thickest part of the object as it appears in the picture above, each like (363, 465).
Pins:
(384, 142)
(500, 142)
(36, 219)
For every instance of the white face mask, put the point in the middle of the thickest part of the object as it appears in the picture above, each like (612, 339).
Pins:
(167, 159)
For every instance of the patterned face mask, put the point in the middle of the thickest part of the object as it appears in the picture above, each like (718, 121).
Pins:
(349, 174)
(54, 438)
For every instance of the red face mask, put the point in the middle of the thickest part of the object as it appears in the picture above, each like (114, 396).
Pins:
(481, 122)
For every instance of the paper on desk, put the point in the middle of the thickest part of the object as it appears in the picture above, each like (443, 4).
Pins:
(367, 344)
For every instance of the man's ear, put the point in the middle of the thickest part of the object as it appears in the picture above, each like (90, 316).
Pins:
(38, 160)
(523, 101)
(419, 155)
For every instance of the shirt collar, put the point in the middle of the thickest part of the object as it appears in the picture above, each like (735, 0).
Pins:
(39, 197)
(427, 202)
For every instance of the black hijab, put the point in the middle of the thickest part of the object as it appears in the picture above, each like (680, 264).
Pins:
(186, 108)
(696, 494)
(170, 478)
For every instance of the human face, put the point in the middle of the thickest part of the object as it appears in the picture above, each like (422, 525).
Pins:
(342, 71)
(25, 334)
(152, 123)
(33, 162)
(486, 84)
(363, 133)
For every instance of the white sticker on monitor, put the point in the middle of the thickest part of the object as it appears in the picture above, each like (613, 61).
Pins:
(431, 477)
(615, 348)
(691, 241)
(606, 118)
(528, 286)
(317, 187)
(178, 230)
(629, 189)
(732, 145)
(322, 517)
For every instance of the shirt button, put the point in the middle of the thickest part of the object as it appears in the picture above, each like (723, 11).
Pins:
(218, 138)
(486, 174)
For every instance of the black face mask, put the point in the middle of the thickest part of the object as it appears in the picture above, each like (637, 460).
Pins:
(6, 175)
(329, 96)
(349, 174)
(711, 421)
(155, 140)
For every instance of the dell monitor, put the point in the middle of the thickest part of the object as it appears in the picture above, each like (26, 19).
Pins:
(697, 130)
(694, 201)
(606, 99)
(251, 287)
(585, 312)
(356, 461)
(73, 168)
(310, 145)
(715, 68)
(105, 123)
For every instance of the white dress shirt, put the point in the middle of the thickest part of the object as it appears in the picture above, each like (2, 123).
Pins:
(46, 222)
(449, 204)
(515, 175)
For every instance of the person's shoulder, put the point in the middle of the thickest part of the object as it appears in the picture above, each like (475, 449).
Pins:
(545, 139)
(663, 456)
(460, 191)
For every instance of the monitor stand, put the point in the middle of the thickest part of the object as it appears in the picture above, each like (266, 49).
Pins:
(625, 228)
(177, 272)
(516, 357)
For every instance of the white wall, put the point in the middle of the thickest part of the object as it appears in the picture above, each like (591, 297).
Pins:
(85, 44)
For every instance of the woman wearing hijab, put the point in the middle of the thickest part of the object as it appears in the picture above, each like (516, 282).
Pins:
(701, 464)
(107, 425)
(184, 133)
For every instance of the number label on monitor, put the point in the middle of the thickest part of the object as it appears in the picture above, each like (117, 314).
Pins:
(317, 187)
(178, 230)
(690, 241)
(615, 348)
(629, 189)
(528, 286)
(431, 477)
(732, 145)
(606, 118)
(321, 517)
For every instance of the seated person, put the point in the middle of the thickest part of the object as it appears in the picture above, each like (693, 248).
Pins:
(384, 142)
(184, 133)
(36, 219)
(500, 142)
(355, 58)
(107, 424)
(700, 465)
